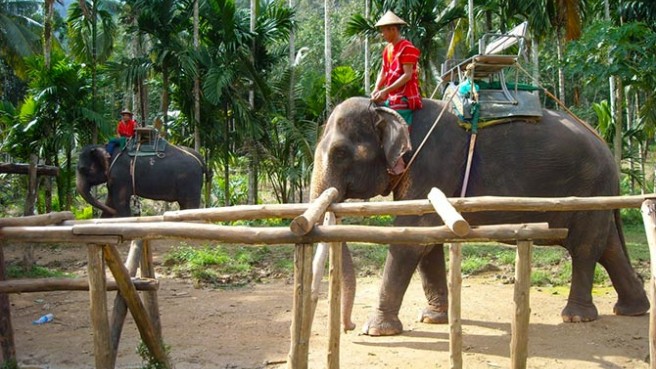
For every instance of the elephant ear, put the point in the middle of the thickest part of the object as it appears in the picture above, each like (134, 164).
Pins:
(394, 137)
(102, 157)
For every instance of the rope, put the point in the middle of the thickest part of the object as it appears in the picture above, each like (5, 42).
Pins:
(561, 104)
(190, 154)
(397, 180)
(133, 164)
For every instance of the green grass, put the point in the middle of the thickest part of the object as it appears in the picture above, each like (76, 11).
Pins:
(228, 265)
(18, 272)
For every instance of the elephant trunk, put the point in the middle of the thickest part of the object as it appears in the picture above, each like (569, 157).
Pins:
(84, 189)
(317, 185)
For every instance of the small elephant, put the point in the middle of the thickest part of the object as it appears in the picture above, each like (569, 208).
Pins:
(555, 157)
(176, 174)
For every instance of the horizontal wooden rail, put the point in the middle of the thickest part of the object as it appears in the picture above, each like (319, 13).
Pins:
(54, 234)
(68, 284)
(282, 235)
(37, 220)
(405, 207)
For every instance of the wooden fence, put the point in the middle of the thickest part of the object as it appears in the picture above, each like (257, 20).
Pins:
(103, 235)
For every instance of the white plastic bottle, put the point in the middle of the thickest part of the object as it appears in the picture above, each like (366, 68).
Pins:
(44, 319)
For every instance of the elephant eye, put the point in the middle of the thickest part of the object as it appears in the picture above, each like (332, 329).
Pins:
(340, 154)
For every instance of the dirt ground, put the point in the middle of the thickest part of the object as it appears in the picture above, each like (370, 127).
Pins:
(248, 327)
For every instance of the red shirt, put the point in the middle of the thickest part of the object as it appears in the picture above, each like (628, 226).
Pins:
(126, 129)
(394, 56)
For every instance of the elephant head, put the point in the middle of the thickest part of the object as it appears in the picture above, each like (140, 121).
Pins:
(357, 154)
(92, 170)
(358, 150)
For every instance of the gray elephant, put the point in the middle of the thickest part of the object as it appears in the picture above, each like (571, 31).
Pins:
(552, 158)
(172, 174)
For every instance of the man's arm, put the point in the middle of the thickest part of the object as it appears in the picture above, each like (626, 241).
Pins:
(375, 94)
(382, 94)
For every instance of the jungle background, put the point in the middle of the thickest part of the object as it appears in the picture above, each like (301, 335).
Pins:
(249, 84)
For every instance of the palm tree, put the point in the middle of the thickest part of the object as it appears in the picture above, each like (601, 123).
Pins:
(19, 33)
(427, 19)
(164, 21)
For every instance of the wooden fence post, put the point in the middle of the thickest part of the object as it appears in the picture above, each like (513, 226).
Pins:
(120, 306)
(521, 301)
(7, 347)
(102, 347)
(302, 311)
(136, 307)
(334, 296)
(150, 297)
(455, 288)
(648, 210)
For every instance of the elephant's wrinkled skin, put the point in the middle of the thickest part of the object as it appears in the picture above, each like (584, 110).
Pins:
(177, 175)
(553, 158)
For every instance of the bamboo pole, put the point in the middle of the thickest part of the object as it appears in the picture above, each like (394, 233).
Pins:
(448, 213)
(304, 223)
(150, 297)
(154, 344)
(403, 207)
(648, 210)
(7, 345)
(37, 220)
(54, 234)
(334, 296)
(455, 288)
(102, 348)
(68, 284)
(301, 324)
(521, 301)
(120, 305)
(19, 168)
(336, 233)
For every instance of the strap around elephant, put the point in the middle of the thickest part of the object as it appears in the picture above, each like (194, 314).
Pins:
(397, 179)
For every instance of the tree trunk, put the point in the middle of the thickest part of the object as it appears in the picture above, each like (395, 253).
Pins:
(470, 30)
(367, 66)
(561, 73)
(617, 141)
(535, 59)
(328, 5)
(30, 200)
(196, 81)
(226, 159)
(164, 108)
(251, 144)
(47, 31)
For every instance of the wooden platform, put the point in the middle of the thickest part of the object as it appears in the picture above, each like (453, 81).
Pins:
(484, 66)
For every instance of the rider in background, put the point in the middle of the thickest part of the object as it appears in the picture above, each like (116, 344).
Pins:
(124, 131)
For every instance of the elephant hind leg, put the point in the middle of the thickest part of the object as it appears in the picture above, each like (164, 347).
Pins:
(580, 307)
(585, 248)
(631, 297)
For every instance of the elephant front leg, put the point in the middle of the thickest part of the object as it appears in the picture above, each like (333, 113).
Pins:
(400, 264)
(433, 278)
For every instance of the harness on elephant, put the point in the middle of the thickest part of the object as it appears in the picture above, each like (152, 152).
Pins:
(479, 103)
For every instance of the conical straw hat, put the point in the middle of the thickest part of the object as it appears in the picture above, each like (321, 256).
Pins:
(389, 19)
